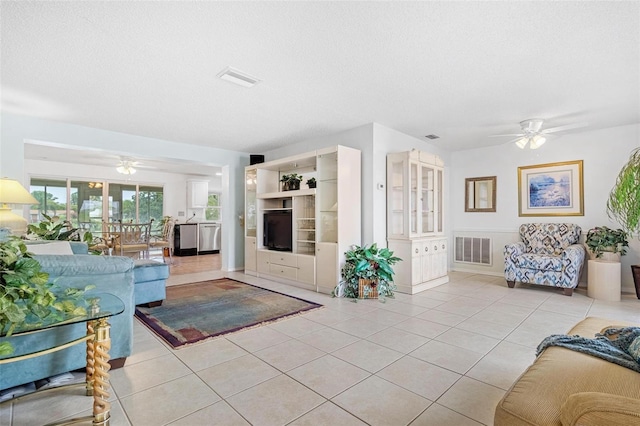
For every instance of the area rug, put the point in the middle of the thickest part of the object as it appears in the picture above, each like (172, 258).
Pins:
(199, 311)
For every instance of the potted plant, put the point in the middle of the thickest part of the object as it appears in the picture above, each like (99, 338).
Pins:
(291, 182)
(367, 273)
(52, 228)
(612, 243)
(623, 204)
(311, 183)
(26, 294)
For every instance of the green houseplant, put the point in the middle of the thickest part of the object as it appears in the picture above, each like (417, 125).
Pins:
(311, 183)
(606, 240)
(52, 228)
(26, 294)
(291, 182)
(623, 204)
(371, 264)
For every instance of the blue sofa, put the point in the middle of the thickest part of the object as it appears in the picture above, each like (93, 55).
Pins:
(109, 274)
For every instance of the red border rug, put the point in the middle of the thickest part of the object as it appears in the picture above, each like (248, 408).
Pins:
(199, 311)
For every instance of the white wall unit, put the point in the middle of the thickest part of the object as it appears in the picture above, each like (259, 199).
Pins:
(325, 220)
(415, 220)
(197, 194)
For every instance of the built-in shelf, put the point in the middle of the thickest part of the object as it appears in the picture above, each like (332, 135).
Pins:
(285, 194)
(320, 232)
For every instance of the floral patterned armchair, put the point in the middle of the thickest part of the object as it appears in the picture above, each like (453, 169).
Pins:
(549, 254)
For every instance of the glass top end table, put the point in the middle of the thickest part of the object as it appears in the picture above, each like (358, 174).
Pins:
(99, 307)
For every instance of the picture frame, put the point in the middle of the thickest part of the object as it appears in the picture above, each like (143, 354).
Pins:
(552, 189)
(480, 194)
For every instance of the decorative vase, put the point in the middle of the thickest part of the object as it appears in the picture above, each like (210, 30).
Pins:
(372, 293)
(294, 185)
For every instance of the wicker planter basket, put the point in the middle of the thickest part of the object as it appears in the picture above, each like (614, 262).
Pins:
(373, 290)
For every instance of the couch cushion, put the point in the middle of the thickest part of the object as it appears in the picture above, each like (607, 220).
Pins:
(549, 238)
(537, 396)
(52, 247)
(149, 270)
(539, 261)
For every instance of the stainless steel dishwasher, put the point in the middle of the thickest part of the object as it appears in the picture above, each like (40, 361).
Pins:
(209, 234)
(185, 239)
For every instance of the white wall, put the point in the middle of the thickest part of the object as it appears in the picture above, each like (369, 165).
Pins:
(604, 152)
(15, 130)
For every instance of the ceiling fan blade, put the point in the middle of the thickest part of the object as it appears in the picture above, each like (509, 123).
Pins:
(513, 140)
(510, 134)
(566, 127)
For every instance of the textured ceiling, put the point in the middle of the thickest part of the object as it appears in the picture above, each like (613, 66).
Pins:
(461, 70)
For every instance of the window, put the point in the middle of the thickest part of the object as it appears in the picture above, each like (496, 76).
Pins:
(150, 205)
(212, 211)
(86, 205)
(52, 199)
(84, 209)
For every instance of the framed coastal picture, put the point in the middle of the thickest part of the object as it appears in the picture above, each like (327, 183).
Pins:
(554, 189)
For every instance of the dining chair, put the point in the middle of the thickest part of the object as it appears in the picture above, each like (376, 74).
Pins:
(164, 240)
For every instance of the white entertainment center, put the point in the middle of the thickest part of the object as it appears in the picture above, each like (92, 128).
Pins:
(299, 236)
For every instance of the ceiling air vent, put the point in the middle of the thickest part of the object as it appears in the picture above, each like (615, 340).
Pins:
(432, 137)
(240, 78)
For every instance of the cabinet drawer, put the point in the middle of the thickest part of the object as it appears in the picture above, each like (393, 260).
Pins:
(441, 244)
(286, 259)
(434, 246)
(284, 271)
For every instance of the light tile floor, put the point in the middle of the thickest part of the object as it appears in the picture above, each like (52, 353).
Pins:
(443, 357)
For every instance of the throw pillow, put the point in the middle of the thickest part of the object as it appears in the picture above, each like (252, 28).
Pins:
(57, 247)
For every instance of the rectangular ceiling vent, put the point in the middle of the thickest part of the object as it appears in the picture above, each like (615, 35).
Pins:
(240, 78)
(473, 250)
(432, 136)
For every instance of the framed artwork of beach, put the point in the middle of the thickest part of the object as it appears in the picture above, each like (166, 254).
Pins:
(554, 189)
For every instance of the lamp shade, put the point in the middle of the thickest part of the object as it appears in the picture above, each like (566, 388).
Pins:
(12, 192)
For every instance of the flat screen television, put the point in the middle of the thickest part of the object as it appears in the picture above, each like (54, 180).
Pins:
(277, 230)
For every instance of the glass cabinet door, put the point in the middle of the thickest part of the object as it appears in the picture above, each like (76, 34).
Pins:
(251, 211)
(327, 198)
(439, 206)
(414, 198)
(427, 181)
(396, 183)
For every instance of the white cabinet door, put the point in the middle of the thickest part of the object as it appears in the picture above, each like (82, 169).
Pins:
(198, 194)
(327, 271)
(307, 269)
(263, 261)
(250, 253)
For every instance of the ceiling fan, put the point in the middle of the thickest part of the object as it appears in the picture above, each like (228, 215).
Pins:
(127, 167)
(534, 135)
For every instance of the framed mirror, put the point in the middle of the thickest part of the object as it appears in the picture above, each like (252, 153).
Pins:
(480, 194)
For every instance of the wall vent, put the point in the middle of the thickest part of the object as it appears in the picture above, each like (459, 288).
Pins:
(474, 250)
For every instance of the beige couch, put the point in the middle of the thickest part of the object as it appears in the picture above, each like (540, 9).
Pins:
(565, 387)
